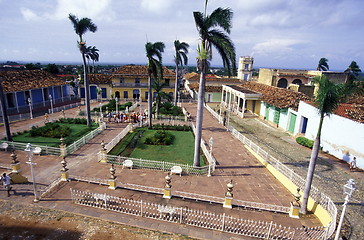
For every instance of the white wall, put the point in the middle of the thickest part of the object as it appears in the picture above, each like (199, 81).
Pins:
(339, 135)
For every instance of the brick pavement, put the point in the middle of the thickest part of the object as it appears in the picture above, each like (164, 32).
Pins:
(252, 181)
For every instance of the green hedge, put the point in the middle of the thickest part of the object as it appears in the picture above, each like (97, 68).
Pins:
(72, 120)
(52, 130)
(170, 127)
(160, 138)
(305, 142)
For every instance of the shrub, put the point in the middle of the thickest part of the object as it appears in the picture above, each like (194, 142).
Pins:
(167, 108)
(72, 120)
(160, 138)
(170, 127)
(52, 130)
(305, 142)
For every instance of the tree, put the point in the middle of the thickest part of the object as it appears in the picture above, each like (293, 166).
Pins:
(32, 66)
(93, 55)
(180, 58)
(328, 98)
(352, 72)
(213, 30)
(52, 68)
(323, 65)
(154, 54)
(158, 86)
(81, 26)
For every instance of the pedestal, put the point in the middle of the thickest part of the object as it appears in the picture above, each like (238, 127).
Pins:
(112, 184)
(227, 202)
(64, 176)
(294, 211)
(167, 193)
(16, 168)
(103, 156)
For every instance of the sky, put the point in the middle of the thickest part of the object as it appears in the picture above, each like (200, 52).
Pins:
(277, 33)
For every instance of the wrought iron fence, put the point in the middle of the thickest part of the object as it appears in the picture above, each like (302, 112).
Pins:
(195, 217)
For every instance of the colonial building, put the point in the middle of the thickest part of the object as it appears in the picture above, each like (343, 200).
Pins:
(35, 88)
(245, 68)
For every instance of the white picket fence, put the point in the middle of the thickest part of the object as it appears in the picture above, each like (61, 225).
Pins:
(21, 146)
(109, 146)
(195, 217)
(85, 139)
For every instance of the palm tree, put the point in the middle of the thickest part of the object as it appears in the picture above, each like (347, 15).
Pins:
(328, 98)
(323, 65)
(93, 55)
(213, 30)
(158, 86)
(154, 55)
(180, 58)
(352, 72)
(81, 26)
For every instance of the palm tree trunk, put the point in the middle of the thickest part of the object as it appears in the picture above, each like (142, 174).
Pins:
(150, 100)
(176, 87)
(200, 108)
(87, 91)
(5, 113)
(311, 167)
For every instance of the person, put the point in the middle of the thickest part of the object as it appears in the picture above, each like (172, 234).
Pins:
(6, 182)
(353, 164)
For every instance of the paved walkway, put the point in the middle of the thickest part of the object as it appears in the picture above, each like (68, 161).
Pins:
(252, 181)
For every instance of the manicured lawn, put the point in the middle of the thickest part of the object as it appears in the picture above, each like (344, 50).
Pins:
(181, 151)
(78, 130)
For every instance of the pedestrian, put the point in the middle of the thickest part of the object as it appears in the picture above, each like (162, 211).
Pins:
(6, 182)
(352, 164)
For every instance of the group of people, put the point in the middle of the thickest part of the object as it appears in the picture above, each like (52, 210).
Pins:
(122, 117)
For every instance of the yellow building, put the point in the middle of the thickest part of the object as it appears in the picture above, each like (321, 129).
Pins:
(131, 82)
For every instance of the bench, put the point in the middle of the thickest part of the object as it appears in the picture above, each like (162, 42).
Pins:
(176, 170)
(4, 146)
(37, 150)
(128, 163)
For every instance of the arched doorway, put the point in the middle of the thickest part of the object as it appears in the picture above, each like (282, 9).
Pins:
(282, 83)
(117, 94)
(297, 81)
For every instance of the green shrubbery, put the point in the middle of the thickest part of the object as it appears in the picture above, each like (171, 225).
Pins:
(160, 138)
(72, 120)
(52, 130)
(170, 127)
(167, 108)
(305, 142)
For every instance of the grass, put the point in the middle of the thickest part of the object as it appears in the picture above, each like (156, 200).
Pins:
(181, 151)
(77, 131)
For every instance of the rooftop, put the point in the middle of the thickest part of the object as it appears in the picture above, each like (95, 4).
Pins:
(140, 70)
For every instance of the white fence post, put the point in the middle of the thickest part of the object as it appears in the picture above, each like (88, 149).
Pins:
(269, 229)
(223, 222)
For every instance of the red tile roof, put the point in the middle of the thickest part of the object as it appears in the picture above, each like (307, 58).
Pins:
(195, 77)
(28, 79)
(140, 70)
(100, 78)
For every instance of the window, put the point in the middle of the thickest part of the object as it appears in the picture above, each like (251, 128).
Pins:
(146, 95)
(246, 66)
(166, 81)
(121, 80)
(125, 94)
(137, 82)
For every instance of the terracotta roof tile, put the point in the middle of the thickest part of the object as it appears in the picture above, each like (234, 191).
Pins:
(195, 77)
(278, 97)
(28, 79)
(140, 70)
(207, 88)
(100, 78)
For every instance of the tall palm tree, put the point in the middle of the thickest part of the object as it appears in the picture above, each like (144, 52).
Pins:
(213, 30)
(158, 86)
(323, 65)
(180, 58)
(154, 54)
(328, 98)
(352, 72)
(81, 26)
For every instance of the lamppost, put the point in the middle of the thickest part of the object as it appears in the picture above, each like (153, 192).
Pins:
(349, 188)
(100, 109)
(211, 143)
(30, 108)
(50, 99)
(31, 163)
(116, 102)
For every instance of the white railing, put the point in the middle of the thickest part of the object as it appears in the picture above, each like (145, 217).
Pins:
(82, 141)
(194, 217)
(155, 165)
(99, 181)
(22, 146)
(261, 206)
(141, 188)
(50, 187)
(215, 114)
(65, 107)
(118, 137)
